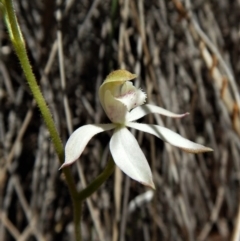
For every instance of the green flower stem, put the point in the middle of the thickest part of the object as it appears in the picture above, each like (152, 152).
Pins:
(77, 215)
(94, 185)
(19, 46)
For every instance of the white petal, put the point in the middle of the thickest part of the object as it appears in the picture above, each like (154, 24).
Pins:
(79, 139)
(143, 110)
(170, 137)
(129, 157)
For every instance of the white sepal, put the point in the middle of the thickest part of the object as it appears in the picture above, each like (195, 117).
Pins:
(170, 137)
(129, 157)
(79, 139)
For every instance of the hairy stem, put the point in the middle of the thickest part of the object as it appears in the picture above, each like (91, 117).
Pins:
(19, 46)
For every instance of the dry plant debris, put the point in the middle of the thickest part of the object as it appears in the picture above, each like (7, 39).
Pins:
(186, 54)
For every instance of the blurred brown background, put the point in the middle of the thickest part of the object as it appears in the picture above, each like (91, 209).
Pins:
(186, 54)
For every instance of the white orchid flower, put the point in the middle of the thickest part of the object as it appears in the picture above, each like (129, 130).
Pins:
(123, 104)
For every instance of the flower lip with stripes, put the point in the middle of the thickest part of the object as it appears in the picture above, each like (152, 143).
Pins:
(123, 104)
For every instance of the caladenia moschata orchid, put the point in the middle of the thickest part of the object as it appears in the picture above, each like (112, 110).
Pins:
(123, 104)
